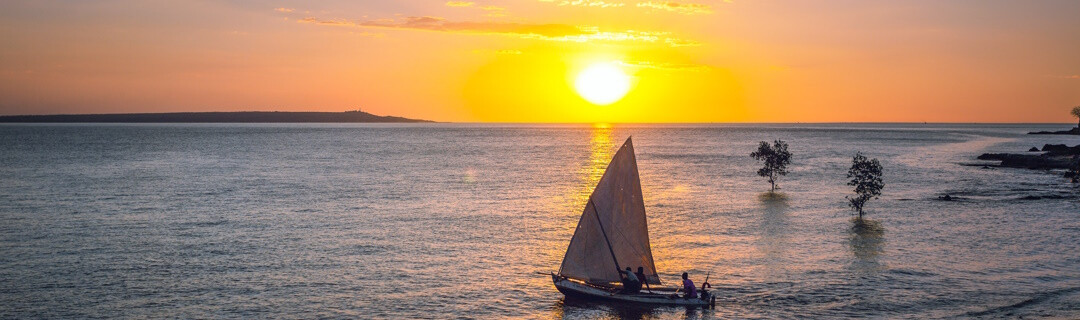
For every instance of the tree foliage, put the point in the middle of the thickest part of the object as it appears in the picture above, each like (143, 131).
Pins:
(776, 158)
(1076, 113)
(865, 175)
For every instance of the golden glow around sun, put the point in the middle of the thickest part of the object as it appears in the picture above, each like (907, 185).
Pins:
(602, 83)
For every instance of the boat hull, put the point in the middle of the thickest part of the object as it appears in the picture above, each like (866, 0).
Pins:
(574, 289)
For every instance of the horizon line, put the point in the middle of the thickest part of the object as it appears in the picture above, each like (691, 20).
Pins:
(511, 122)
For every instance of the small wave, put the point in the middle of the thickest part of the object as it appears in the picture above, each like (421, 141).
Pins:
(217, 192)
(364, 249)
(1046, 197)
(204, 223)
(912, 272)
(1038, 298)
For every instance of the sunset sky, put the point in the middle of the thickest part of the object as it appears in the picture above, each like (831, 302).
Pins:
(517, 61)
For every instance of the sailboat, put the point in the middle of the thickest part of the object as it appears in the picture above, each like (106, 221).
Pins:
(613, 234)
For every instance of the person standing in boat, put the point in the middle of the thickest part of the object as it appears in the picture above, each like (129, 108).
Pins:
(631, 283)
(688, 287)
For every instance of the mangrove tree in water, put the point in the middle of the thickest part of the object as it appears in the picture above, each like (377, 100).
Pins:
(865, 175)
(776, 158)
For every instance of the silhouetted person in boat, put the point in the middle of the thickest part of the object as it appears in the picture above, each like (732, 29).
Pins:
(688, 287)
(631, 283)
(641, 277)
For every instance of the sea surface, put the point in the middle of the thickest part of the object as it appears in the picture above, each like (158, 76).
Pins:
(456, 220)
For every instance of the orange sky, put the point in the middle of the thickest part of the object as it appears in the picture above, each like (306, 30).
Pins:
(515, 61)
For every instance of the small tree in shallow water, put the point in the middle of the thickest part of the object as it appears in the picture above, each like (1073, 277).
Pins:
(776, 158)
(865, 175)
(1076, 113)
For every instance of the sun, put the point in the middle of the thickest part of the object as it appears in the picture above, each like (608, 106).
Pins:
(602, 83)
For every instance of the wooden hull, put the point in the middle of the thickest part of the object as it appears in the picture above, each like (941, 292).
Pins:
(575, 289)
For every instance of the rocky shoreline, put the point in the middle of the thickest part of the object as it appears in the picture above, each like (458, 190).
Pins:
(1055, 156)
(1073, 131)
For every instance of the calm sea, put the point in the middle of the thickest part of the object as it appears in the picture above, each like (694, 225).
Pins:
(454, 221)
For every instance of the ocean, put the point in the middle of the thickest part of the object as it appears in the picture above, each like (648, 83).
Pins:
(456, 220)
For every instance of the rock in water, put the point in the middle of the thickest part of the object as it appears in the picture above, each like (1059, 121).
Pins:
(1030, 161)
(1073, 131)
(1061, 149)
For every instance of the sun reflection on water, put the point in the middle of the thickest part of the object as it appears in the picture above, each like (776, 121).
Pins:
(773, 242)
(601, 149)
(566, 208)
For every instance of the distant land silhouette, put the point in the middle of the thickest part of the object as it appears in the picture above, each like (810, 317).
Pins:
(217, 117)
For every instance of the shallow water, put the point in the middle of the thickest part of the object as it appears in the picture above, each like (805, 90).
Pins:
(453, 220)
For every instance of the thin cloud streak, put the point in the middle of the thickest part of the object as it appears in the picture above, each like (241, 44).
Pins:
(549, 32)
(494, 11)
(677, 7)
(459, 4)
(586, 3)
(664, 66)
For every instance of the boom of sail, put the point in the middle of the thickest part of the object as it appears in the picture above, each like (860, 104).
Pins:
(612, 232)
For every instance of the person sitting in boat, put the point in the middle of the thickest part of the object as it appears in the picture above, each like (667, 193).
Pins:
(641, 278)
(688, 287)
(630, 281)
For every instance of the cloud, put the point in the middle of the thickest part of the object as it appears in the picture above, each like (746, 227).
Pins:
(664, 66)
(494, 11)
(548, 32)
(587, 3)
(677, 7)
(285, 10)
(340, 23)
(674, 42)
(440, 24)
(593, 33)
(459, 4)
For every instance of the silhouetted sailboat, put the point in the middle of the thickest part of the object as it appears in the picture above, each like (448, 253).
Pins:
(612, 234)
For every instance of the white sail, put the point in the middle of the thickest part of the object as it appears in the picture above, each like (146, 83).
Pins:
(612, 228)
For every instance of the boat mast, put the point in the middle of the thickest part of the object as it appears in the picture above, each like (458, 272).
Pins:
(597, 214)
